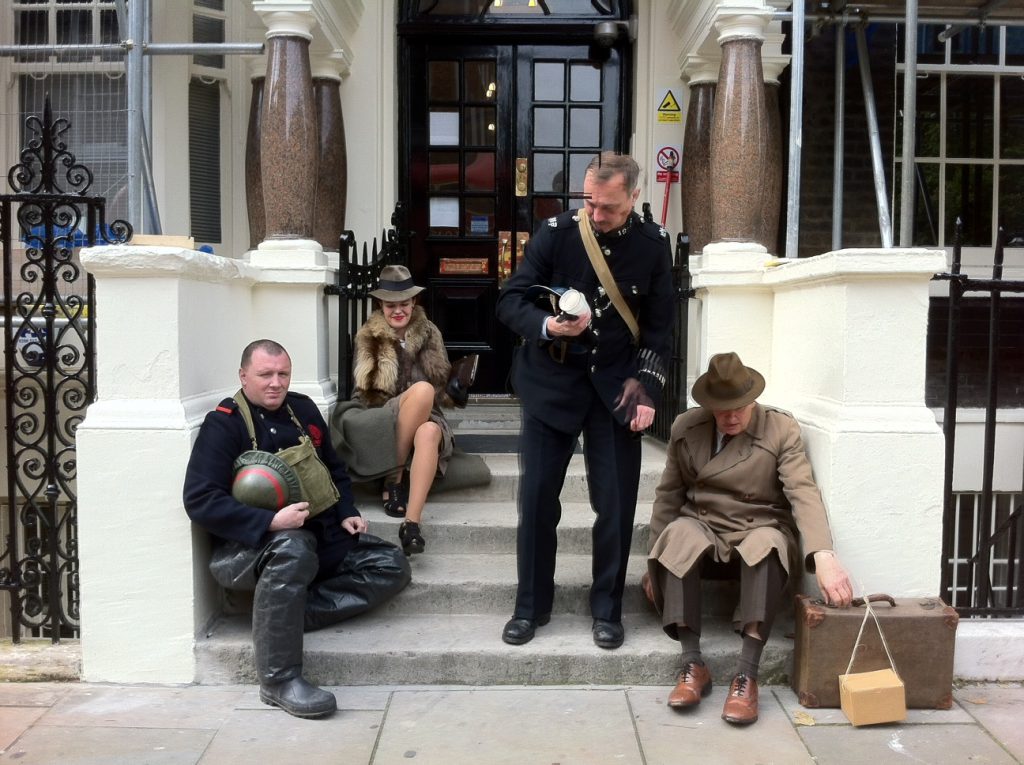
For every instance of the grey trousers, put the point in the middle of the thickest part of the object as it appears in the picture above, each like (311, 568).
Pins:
(761, 590)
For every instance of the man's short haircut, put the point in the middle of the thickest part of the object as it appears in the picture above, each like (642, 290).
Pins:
(270, 347)
(606, 165)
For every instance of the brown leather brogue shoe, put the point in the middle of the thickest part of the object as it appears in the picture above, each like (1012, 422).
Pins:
(741, 704)
(693, 685)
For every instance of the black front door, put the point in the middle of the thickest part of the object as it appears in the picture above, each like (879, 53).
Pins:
(496, 138)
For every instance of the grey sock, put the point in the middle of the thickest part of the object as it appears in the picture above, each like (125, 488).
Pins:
(690, 641)
(750, 656)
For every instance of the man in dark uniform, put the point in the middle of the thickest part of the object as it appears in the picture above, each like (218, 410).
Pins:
(306, 572)
(587, 375)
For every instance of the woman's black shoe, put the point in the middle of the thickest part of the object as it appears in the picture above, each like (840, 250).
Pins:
(394, 503)
(411, 539)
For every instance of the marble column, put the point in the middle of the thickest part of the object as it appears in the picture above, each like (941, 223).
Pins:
(332, 161)
(253, 174)
(702, 74)
(772, 63)
(288, 135)
(739, 134)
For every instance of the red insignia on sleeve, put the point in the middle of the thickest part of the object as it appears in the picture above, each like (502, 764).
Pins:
(316, 435)
(224, 409)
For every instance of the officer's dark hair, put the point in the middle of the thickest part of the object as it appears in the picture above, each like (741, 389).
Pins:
(606, 165)
(267, 346)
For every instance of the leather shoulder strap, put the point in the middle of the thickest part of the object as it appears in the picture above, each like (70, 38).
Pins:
(246, 412)
(604, 275)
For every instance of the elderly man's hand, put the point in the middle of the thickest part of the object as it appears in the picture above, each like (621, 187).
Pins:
(833, 580)
(355, 524)
(290, 517)
(568, 327)
(645, 583)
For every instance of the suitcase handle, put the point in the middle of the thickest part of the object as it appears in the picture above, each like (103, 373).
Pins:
(857, 602)
(878, 597)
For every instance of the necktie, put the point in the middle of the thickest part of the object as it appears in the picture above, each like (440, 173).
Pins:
(725, 439)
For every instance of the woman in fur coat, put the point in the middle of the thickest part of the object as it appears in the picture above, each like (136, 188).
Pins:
(401, 369)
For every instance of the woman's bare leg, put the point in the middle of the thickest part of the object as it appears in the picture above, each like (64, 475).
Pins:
(422, 469)
(414, 407)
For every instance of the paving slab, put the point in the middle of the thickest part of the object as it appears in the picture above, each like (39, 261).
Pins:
(699, 734)
(14, 721)
(272, 736)
(352, 698)
(1000, 710)
(791, 703)
(903, 744)
(514, 726)
(47, 745)
(24, 694)
(115, 706)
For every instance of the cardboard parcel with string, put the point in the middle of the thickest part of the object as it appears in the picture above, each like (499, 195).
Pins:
(869, 698)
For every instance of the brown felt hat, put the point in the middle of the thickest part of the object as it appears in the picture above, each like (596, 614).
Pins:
(727, 384)
(396, 285)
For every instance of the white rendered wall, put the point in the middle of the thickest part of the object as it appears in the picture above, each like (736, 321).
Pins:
(170, 329)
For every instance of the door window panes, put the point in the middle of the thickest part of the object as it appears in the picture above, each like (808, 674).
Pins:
(585, 83)
(444, 171)
(480, 125)
(548, 81)
(479, 217)
(444, 127)
(577, 168)
(929, 121)
(969, 119)
(548, 173)
(480, 171)
(584, 127)
(443, 80)
(480, 79)
(548, 127)
(444, 216)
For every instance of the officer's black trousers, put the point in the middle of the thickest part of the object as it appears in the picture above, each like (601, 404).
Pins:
(612, 455)
(287, 600)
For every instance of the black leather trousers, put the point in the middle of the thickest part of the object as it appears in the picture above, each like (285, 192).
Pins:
(286, 601)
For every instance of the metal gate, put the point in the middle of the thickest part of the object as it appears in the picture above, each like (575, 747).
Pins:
(983, 532)
(49, 320)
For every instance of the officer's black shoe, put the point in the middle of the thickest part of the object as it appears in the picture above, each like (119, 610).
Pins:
(299, 698)
(608, 634)
(518, 631)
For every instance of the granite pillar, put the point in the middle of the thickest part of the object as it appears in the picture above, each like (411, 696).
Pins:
(332, 164)
(696, 173)
(253, 175)
(771, 198)
(288, 139)
(739, 136)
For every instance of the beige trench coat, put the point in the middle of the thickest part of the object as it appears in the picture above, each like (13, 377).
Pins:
(755, 496)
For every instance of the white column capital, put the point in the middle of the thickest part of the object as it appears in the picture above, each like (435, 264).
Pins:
(773, 60)
(256, 66)
(733, 23)
(331, 65)
(700, 70)
(286, 19)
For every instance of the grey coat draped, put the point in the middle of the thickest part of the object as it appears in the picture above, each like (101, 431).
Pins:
(755, 496)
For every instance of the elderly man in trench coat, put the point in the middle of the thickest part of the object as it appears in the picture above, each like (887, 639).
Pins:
(736, 496)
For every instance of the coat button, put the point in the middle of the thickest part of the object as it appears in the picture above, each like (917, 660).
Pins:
(595, 331)
(750, 519)
(593, 369)
(703, 511)
(594, 351)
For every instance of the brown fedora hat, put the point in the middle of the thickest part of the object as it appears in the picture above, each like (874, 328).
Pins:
(396, 285)
(727, 384)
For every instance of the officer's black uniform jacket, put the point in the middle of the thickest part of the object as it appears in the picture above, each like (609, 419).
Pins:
(640, 262)
(223, 437)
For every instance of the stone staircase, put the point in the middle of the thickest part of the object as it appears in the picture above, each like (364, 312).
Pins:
(445, 627)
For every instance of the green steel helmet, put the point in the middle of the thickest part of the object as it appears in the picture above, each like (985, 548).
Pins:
(265, 480)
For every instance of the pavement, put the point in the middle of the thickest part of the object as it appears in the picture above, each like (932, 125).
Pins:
(75, 723)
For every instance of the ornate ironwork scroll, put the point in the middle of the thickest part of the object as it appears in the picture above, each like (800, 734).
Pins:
(49, 334)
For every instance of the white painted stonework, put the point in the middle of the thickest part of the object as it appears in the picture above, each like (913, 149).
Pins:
(168, 339)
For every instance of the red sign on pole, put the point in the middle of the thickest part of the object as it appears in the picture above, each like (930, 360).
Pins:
(668, 161)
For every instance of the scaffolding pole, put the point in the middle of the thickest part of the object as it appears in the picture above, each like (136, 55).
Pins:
(909, 126)
(796, 135)
(877, 167)
(839, 138)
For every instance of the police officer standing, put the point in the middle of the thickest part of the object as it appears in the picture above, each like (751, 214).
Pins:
(265, 481)
(598, 372)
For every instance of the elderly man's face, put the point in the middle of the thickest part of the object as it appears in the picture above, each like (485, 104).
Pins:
(732, 422)
(266, 378)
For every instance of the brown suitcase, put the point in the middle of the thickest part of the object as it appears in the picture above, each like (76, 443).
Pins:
(920, 633)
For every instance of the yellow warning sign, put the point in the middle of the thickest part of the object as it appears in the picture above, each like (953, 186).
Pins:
(669, 109)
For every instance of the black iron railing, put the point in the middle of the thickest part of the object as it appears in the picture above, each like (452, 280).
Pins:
(983, 532)
(49, 323)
